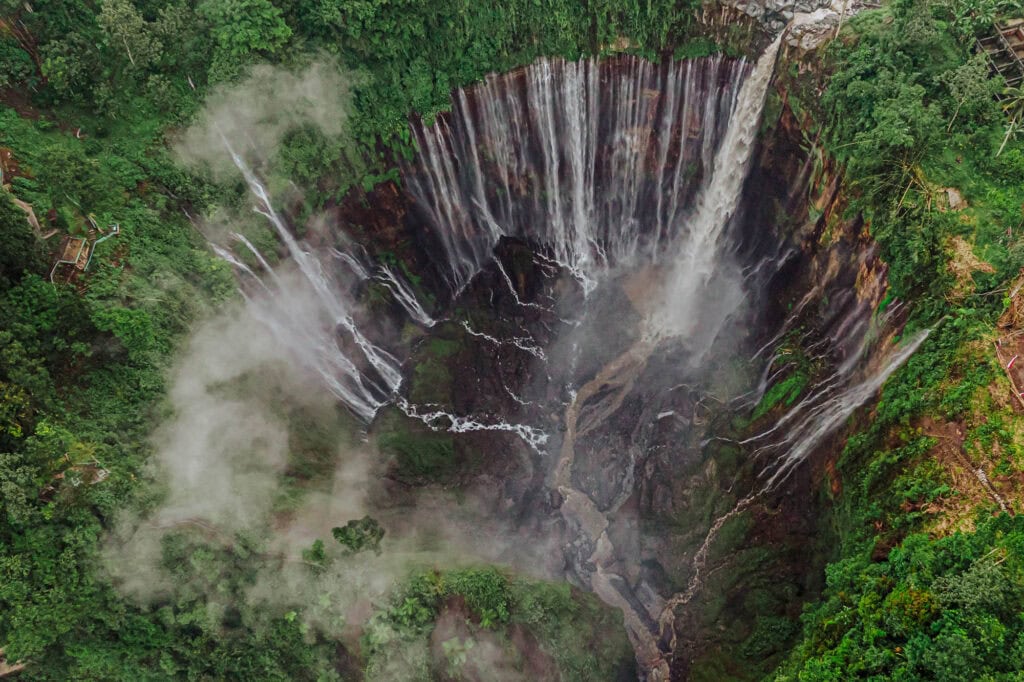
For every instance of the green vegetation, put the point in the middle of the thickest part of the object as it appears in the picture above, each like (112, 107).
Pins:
(358, 535)
(82, 368)
(909, 92)
(432, 379)
(87, 93)
(421, 455)
(927, 584)
(123, 64)
(581, 636)
(21, 252)
(946, 609)
(797, 376)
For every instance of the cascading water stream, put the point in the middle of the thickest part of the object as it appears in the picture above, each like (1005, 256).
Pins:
(310, 331)
(602, 167)
(824, 411)
(593, 161)
(405, 296)
(700, 253)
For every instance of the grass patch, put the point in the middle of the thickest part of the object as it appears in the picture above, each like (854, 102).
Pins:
(420, 455)
(432, 377)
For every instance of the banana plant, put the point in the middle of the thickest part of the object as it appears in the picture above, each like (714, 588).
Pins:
(1013, 106)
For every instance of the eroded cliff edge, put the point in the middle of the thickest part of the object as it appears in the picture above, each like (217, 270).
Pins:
(678, 516)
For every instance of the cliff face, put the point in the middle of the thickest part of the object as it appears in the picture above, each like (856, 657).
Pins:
(774, 15)
(825, 284)
(666, 489)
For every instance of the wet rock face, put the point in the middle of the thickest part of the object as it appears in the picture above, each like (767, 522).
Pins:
(821, 17)
(643, 451)
(775, 14)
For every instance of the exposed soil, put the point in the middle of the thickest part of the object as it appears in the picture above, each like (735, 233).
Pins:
(963, 264)
(957, 511)
(9, 165)
(18, 99)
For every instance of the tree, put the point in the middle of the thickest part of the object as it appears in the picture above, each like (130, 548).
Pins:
(20, 251)
(971, 87)
(244, 26)
(888, 112)
(126, 27)
(70, 175)
(16, 64)
(357, 536)
(132, 326)
(186, 39)
(69, 64)
(916, 29)
(315, 556)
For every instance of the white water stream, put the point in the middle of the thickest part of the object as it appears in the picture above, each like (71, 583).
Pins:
(602, 166)
(306, 313)
(595, 160)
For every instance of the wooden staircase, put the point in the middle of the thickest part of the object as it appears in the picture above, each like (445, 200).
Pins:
(1005, 49)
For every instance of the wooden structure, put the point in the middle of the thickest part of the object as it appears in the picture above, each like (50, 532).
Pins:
(76, 253)
(1005, 49)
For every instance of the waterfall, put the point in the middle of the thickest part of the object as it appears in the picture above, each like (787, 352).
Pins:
(824, 411)
(687, 294)
(594, 161)
(601, 166)
(405, 296)
(309, 312)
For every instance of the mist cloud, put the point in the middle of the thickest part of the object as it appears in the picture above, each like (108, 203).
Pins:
(255, 114)
(223, 455)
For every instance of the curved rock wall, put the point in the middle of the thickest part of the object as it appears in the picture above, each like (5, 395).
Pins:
(821, 17)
